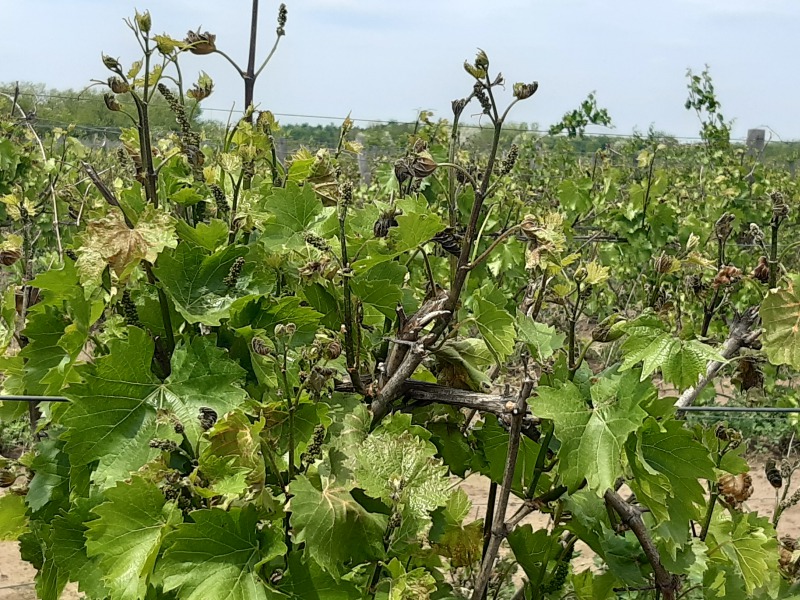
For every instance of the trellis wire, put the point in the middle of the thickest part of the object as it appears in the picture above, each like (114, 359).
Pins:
(694, 409)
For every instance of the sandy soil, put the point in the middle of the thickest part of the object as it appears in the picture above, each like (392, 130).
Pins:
(16, 576)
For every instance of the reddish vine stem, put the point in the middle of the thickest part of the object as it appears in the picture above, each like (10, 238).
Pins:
(742, 334)
(489, 518)
(499, 528)
(666, 583)
(393, 387)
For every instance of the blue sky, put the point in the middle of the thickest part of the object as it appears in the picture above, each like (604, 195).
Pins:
(382, 59)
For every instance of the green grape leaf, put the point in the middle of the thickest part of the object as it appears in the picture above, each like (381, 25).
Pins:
(575, 194)
(202, 376)
(233, 447)
(337, 531)
(687, 362)
(462, 545)
(136, 452)
(323, 299)
(44, 354)
(13, 520)
(409, 585)
(36, 547)
(415, 226)
(379, 287)
(56, 337)
(70, 554)
(668, 465)
(682, 362)
(587, 585)
(109, 241)
(589, 516)
(266, 313)
(493, 444)
(461, 363)
(305, 580)
(120, 383)
(450, 537)
(624, 555)
(542, 340)
(50, 481)
(196, 281)
(219, 555)
(208, 236)
(8, 317)
(186, 196)
(127, 535)
(494, 322)
(400, 466)
(130, 395)
(749, 543)
(780, 317)
(287, 213)
(592, 438)
(533, 549)
(452, 445)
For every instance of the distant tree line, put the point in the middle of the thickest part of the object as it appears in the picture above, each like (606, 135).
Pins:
(86, 109)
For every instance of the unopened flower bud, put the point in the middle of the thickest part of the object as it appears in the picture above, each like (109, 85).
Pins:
(580, 274)
(422, 165)
(761, 271)
(664, 264)
(609, 329)
(333, 350)
(482, 96)
(473, 70)
(9, 257)
(724, 226)
(201, 43)
(458, 106)
(111, 63)
(207, 417)
(143, 21)
(260, 347)
(111, 102)
(163, 445)
(233, 273)
(312, 239)
(523, 91)
(117, 85)
(202, 89)
(481, 60)
(346, 192)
